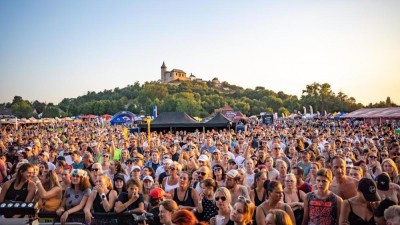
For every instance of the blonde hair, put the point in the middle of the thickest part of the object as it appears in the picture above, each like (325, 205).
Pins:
(280, 217)
(225, 192)
(394, 176)
(327, 173)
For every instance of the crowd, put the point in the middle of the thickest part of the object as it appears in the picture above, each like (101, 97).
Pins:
(295, 172)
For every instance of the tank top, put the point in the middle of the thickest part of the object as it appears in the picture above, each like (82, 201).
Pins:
(98, 204)
(298, 213)
(257, 201)
(17, 195)
(354, 219)
(188, 196)
(322, 211)
(168, 187)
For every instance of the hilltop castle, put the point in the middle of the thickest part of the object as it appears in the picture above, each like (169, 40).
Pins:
(180, 75)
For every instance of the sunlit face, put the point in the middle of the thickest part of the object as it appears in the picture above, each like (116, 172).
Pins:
(237, 212)
(388, 168)
(147, 184)
(183, 180)
(65, 176)
(119, 184)
(221, 200)
(355, 173)
(249, 165)
(132, 190)
(322, 183)
(290, 181)
(75, 179)
(262, 179)
(29, 173)
(313, 169)
(339, 167)
(35, 170)
(206, 190)
(276, 194)
(165, 215)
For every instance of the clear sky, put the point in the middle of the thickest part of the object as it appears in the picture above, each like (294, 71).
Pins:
(50, 50)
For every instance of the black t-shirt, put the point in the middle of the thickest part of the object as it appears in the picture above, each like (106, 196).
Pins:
(123, 197)
(161, 177)
(156, 221)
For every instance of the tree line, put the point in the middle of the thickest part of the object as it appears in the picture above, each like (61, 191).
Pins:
(195, 98)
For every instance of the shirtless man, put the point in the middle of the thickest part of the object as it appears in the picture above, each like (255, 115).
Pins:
(342, 185)
(231, 182)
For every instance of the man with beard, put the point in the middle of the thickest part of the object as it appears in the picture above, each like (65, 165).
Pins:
(305, 162)
(202, 173)
(236, 190)
(342, 185)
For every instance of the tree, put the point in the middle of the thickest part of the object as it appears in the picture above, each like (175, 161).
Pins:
(22, 109)
(39, 106)
(51, 112)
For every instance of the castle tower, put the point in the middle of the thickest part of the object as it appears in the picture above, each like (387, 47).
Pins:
(163, 70)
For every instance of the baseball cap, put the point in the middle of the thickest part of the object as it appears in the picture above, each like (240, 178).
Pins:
(158, 193)
(232, 173)
(368, 188)
(232, 161)
(203, 158)
(382, 181)
(135, 168)
(216, 151)
(148, 178)
(45, 154)
(119, 176)
(60, 158)
(168, 161)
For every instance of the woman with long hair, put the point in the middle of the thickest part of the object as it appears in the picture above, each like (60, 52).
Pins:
(274, 195)
(278, 217)
(374, 167)
(282, 169)
(242, 212)
(76, 196)
(258, 193)
(218, 174)
(167, 209)
(222, 197)
(119, 184)
(358, 210)
(312, 176)
(172, 181)
(293, 197)
(389, 166)
(207, 207)
(49, 192)
(185, 196)
(20, 188)
(65, 178)
(326, 205)
(101, 199)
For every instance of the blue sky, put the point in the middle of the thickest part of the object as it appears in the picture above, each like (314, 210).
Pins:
(50, 50)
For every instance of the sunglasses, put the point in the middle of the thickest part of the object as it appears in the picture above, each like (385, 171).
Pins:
(223, 198)
(136, 160)
(373, 157)
(289, 181)
(276, 148)
(384, 155)
(75, 175)
(201, 173)
(129, 162)
(95, 169)
(242, 198)
(146, 152)
(216, 169)
(172, 168)
(106, 156)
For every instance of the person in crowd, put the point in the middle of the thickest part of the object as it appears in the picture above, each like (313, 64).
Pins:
(115, 167)
(185, 217)
(392, 215)
(278, 217)
(167, 208)
(202, 173)
(131, 201)
(249, 171)
(374, 167)
(379, 211)
(185, 196)
(148, 185)
(76, 160)
(20, 188)
(218, 174)
(342, 185)
(156, 197)
(101, 199)
(119, 184)
(273, 173)
(274, 195)
(282, 169)
(312, 176)
(49, 192)
(305, 162)
(358, 210)
(135, 173)
(389, 166)
(95, 171)
(356, 172)
(75, 196)
(222, 197)
(322, 204)
(293, 197)
(206, 206)
(105, 160)
(242, 177)
(155, 160)
(242, 211)
(276, 153)
(232, 183)
(301, 184)
(172, 181)
(258, 194)
(387, 189)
